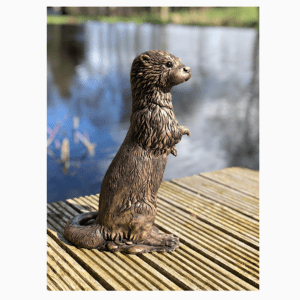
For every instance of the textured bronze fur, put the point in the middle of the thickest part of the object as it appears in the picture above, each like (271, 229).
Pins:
(127, 203)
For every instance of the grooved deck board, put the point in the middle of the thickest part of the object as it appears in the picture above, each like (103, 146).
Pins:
(216, 217)
(236, 181)
(71, 268)
(224, 195)
(211, 212)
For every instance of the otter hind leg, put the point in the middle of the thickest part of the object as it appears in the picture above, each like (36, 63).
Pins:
(162, 241)
(156, 242)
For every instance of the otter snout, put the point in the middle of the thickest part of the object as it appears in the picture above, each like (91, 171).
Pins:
(187, 72)
(179, 75)
(187, 69)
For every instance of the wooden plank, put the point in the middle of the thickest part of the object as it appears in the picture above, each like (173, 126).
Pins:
(94, 269)
(240, 183)
(83, 279)
(213, 209)
(116, 277)
(216, 217)
(51, 285)
(225, 262)
(225, 196)
(251, 174)
(169, 272)
(70, 284)
(251, 253)
(151, 273)
(190, 222)
(188, 217)
(118, 270)
(56, 279)
(133, 281)
(93, 200)
(217, 274)
(234, 174)
(150, 278)
(249, 202)
(143, 272)
(225, 250)
(187, 271)
(211, 212)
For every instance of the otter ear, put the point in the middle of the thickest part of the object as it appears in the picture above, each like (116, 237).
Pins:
(145, 58)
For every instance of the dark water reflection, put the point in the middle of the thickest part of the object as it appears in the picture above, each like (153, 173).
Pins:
(88, 78)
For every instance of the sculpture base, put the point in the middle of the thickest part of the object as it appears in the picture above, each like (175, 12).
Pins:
(156, 242)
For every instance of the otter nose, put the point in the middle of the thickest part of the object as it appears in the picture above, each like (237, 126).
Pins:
(187, 69)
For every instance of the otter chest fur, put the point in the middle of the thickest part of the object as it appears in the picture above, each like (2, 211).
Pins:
(127, 202)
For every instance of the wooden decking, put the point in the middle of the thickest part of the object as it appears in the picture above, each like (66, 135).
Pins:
(215, 215)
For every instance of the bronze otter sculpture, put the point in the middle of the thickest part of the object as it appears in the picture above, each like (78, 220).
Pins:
(127, 202)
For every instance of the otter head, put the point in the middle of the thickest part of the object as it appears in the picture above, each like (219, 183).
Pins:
(156, 69)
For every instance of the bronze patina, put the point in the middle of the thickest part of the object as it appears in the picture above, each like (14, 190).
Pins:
(127, 202)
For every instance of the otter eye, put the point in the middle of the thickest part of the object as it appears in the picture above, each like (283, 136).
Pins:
(169, 64)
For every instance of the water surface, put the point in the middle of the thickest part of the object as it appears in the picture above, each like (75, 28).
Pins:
(89, 86)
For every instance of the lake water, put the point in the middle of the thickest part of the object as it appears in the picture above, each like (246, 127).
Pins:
(89, 99)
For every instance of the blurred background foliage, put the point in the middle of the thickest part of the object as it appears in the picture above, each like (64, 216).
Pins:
(204, 16)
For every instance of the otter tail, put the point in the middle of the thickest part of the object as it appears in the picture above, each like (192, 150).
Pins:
(79, 232)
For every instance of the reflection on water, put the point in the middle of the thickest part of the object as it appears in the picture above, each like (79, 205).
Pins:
(88, 85)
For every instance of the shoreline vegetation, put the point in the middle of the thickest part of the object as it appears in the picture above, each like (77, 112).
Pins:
(247, 17)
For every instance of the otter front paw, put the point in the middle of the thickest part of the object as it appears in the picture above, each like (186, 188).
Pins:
(184, 130)
(174, 151)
